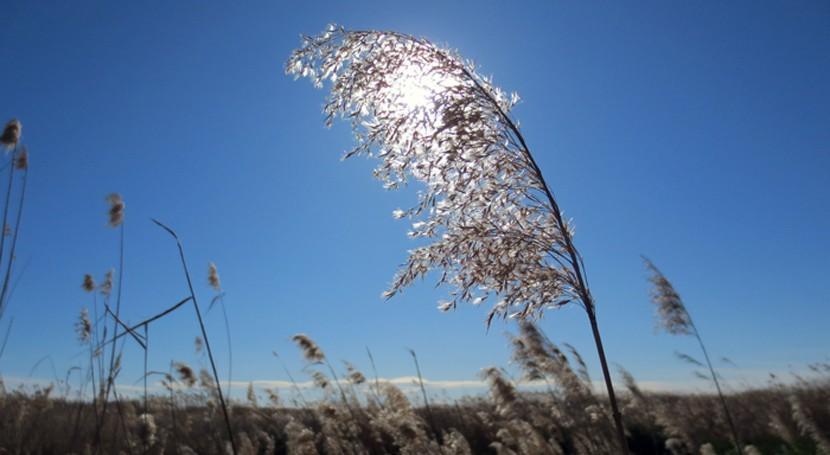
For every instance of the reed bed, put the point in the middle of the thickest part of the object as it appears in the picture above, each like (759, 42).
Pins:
(564, 416)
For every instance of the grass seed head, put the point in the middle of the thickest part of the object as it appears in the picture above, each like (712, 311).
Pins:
(116, 211)
(83, 327)
(213, 277)
(89, 283)
(186, 374)
(11, 133)
(106, 286)
(311, 351)
(671, 312)
(22, 161)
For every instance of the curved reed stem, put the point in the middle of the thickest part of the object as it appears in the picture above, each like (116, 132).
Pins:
(735, 437)
(204, 333)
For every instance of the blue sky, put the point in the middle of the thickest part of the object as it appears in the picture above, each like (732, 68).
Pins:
(695, 134)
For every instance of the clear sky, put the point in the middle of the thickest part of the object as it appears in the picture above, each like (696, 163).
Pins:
(696, 134)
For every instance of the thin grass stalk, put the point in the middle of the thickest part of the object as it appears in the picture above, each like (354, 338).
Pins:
(735, 437)
(424, 393)
(115, 336)
(146, 353)
(377, 379)
(340, 389)
(6, 337)
(6, 214)
(76, 424)
(13, 246)
(173, 407)
(230, 348)
(119, 408)
(204, 334)
(293, 382)
(95, 362)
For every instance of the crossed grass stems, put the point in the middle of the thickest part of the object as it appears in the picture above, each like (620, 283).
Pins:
(133, 331)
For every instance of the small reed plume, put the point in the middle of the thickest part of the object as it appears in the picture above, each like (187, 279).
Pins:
(671, 312)
(22, 161)
(354, 375)
(320, 380)
(311, 351)
(147, 429)
(89, 283)
(106, 286)
(251, 395)
(213, 277)
(116, 212)
(11, 134)
(84, 327)
(186, 374)
(676, 320)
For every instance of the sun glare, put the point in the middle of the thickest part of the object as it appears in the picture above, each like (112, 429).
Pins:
(417, 88)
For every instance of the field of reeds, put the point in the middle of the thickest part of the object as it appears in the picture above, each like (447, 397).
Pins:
(353, 413)
(497, 233)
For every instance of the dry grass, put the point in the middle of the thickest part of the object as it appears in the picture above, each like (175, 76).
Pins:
(565, 417)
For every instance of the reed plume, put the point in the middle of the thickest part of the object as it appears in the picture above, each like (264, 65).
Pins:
(11, 134)
(674, 318)
(311, 352)
(116, 211)
(22, 161)
(89, 283)
(496, 231)
(83, 328)
(186, 374)
(213, 277)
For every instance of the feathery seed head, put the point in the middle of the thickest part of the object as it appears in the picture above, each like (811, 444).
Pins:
(320, 380)
(213, 277)
(22, 161)
(11, 133)
(671, 312)
(428, 115)
(503, 392)
(311, 351)
(106, 286)
(273, 397)
(116, 211)
(354, 375)
(186, 373)
(147, 429)
(84, 327)
(89, 283)
(251, 395)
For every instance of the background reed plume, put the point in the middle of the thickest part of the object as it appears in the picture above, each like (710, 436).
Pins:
(674, 318)
(496, 231)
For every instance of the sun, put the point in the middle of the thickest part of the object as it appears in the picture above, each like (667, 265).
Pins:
(416, 88)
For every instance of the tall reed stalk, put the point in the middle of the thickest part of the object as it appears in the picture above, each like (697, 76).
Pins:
(116, 214)
(674, 318)
(497, 231)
